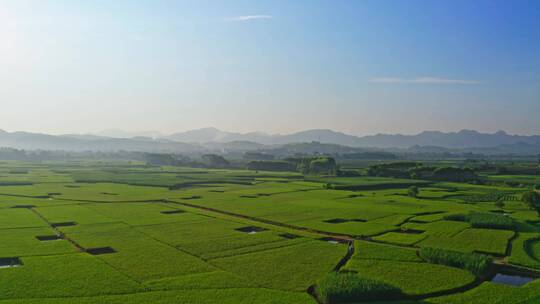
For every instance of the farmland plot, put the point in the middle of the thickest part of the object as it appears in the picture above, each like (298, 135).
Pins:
(91, 232)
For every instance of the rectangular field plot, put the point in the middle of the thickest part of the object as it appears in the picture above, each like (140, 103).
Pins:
(375, 251)
(24, 242)
(69, 275)
(73, 213)
(136, 214)
(19, 218)
(472, 240)
(207, 280)
(7, 201)
(137, 255)
(289, 268)
(439, 228)
(214, 237)
(33, 175)
(100, 192)
(105, 192)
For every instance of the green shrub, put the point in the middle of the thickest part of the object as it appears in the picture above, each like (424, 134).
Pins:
(475, 263)
(349, 287)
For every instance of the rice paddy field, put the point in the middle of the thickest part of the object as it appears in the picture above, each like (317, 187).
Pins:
(125, 232)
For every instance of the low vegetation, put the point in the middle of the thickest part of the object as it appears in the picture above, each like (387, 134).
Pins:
(475, 263)
(196, 234)
(352, 288)
(484, 220)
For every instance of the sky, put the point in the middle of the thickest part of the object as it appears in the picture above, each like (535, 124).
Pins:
(360, 67)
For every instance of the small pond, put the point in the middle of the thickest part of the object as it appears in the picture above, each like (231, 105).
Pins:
(514, 280)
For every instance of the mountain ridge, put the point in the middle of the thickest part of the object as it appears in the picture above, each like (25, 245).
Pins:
(212, 139)
(461, 139)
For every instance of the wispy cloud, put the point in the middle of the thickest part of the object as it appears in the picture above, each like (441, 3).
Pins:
(249, 18)
(424, 80)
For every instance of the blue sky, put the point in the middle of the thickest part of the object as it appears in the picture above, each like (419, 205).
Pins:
(361, 67)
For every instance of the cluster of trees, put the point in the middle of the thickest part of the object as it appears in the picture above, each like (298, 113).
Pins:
(454, 174)
(377, 155)
(161, 159)
(154, 159)
(157, 159)
(274, 165)
(517, 170)
(319, 165)
(396, 170)
(532, 199)
(165, 159)
(215, 161)
(416, 170)
(258, 156)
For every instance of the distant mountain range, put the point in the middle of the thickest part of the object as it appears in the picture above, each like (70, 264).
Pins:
(452, 140)
(37, 141)
(212, 139)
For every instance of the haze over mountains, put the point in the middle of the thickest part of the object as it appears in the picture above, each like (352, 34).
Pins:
(214, 139)
(452, 140)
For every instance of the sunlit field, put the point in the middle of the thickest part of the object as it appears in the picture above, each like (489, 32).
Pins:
(120, 232)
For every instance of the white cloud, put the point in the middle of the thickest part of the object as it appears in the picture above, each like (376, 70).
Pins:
(250, 18)
(423, 80)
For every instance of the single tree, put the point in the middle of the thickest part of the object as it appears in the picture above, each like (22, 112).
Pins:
(413, 191)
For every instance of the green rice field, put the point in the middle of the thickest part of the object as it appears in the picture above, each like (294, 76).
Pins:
(96, 232)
